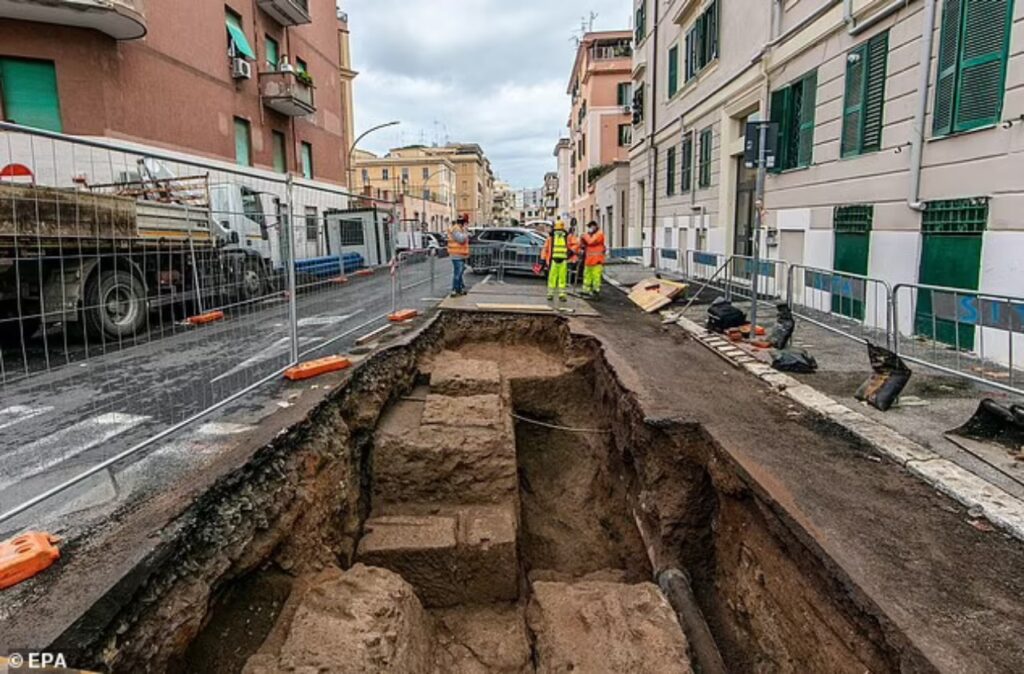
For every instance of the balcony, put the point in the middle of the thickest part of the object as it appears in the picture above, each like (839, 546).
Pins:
(287, 12)
(120, 19)
(287, 93)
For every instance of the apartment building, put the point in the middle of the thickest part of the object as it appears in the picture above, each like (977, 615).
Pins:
(566, 180)
(530, 205)
(474, 187)
(263, 84)
(420, 180)
(599, 122)
(901, 143)
(551, 187)
(502, 211)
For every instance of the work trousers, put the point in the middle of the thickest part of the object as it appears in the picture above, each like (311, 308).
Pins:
(458, 269)
(592, 278)
(557, 277)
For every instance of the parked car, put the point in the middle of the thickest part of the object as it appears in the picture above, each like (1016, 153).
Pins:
(516, 249)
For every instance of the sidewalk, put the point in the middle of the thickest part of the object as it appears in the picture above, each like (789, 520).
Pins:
(932, 404)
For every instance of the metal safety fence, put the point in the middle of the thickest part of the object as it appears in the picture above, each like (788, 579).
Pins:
(141, 290)
(851, 305)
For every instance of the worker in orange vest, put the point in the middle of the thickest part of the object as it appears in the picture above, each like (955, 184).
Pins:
(593, 253)
(575, 251)
(458, 251)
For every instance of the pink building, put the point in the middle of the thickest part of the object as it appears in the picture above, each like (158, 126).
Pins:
(600, 124)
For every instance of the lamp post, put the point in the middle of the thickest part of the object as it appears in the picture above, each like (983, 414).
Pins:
(361, 136)
(426, 187)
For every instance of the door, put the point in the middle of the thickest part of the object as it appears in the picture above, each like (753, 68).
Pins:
(746, 192)
(851, 256)
(952, 260)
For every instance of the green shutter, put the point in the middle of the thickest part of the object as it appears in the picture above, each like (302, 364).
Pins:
(280, 154)
(307, 161)
(243, 140)
(777, 114)
(686, 163)
(673, 71)
(808, 97)
(853, 105)
(712, 25)
(273, 54)
(705, 158)
(670, 178)
(949, 56)
(874, 92)
(236, 36)
(983, 55)
(30, 95)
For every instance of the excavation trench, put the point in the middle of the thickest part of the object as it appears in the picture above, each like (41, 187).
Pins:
(489, 497)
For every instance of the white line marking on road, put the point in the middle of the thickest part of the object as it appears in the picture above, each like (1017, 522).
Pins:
(486, 279)
(18, 413)
(218, 428)
(278, 348)
(327, 320)
(69, 442)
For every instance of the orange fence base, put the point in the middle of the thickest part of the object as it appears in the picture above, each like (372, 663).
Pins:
(403, 315)
(364, 272)
(315, 368)
(26, 555)
(203, 319)
(338, 280)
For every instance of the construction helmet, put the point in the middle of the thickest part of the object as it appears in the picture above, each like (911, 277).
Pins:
(559, 225)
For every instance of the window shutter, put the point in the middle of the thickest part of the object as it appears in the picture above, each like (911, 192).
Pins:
(949, 56)
(983, 54)
(713, 32)
(853, 107)
(686, 163)
(673, 71)
(874, 92)
(29, 91)
(670, 178)
(691, 53)
(807, 105)
(777, 114)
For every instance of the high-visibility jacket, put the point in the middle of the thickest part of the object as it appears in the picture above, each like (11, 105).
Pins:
(574, 248)
(456, 249)
(556, 248)
(593, 245)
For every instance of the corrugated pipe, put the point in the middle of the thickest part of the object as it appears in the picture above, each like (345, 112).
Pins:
(675, 585)
(924, 78)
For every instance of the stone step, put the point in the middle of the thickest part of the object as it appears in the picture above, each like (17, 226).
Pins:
(451, 555)
(477, 411)
(597, 626)
(453, 375)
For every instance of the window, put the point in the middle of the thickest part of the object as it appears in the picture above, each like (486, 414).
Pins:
(426, 173)
(865, 96)
(641, 21)
(280, 153)
(243, 142)
(855, 219)
(312, 225)
(638, 105)
(28, 93)
(625, 135)
(307, 161)
(704, 176)
(405, 174)
(238, 43)
(686, 163)
(972, 64)
(955, 216)
(301, 66)
(624, 93)
(702, 41)
(673, 70)
(385, 174)
(670, 177)
(273, 53)
(352, 233)
(583, 146)
(793, 109)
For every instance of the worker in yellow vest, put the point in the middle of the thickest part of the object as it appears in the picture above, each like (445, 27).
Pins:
(593, 252)
(555, 254)
(458, 251)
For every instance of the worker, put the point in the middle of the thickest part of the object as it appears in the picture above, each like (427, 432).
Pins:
(555, 254)
(575, 255)
(593, 254)
(458, 251)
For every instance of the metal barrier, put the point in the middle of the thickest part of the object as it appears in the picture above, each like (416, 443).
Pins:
(518, 259)
(967, 333)
(771, 276)
(140, 290)
(852, 305)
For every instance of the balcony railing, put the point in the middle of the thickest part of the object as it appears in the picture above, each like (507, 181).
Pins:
(120, 19)
(287, 93)
(287, 12)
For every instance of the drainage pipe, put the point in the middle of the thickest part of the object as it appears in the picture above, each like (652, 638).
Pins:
(917, 133)
(675, 585)
(874, 19)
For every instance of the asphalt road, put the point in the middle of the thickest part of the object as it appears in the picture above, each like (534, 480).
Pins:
(62, 421)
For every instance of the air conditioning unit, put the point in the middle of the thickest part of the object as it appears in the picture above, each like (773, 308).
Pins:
(241, 69)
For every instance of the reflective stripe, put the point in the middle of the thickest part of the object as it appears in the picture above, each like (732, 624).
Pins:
(594, 248)
(560, 246)
(456, 249)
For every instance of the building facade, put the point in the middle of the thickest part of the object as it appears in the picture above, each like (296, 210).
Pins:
(263, 84)
(900, 135)
(530, 205)
(599, 122)
(563, 157)
(422, 181)
(503, 210)
(551, 187)
(474, 187)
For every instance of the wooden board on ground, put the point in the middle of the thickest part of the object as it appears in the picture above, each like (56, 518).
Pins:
(492, 306)
(654, 293)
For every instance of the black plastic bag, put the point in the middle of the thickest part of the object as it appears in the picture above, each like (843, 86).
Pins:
(722, 315)
(891, 375)
(782, 331)
(794, 360)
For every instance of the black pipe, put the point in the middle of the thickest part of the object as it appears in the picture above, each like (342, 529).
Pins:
(675, 585)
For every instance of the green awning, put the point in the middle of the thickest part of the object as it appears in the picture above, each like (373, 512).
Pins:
(241, 43)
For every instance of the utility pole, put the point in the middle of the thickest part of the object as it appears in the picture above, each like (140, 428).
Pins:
(762, 169)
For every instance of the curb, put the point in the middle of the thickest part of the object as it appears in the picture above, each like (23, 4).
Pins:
(963, 486)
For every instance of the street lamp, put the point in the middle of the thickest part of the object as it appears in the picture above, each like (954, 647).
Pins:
(352, 149)
(426, 187)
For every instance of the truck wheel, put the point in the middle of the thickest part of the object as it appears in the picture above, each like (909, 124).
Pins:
(252, 283)
(115, 304)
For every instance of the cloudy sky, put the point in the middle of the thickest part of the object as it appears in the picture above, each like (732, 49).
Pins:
(493, 72)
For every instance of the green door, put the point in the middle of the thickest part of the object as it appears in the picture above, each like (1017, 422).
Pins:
(851, 256)
(954, 261)
(30, 93)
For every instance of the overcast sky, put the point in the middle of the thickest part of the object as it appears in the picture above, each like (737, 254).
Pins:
(493, 72)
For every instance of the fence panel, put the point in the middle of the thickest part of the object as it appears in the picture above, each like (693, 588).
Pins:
(855, 306)
(968, 333)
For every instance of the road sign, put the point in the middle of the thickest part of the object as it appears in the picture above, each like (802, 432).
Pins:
(750, 146)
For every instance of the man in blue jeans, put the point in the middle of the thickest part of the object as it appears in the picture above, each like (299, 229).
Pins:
(458, 251)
